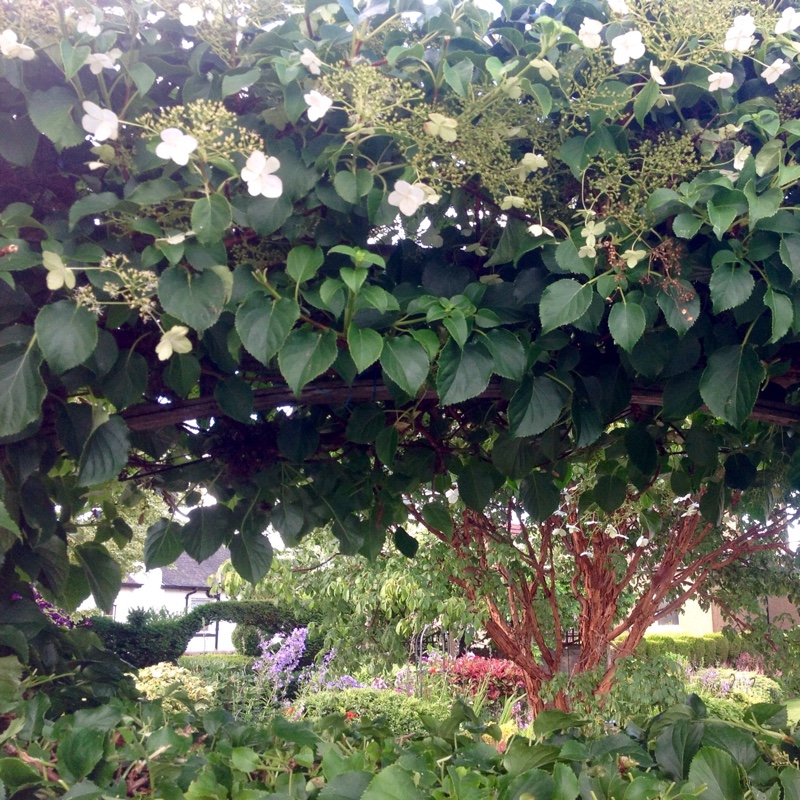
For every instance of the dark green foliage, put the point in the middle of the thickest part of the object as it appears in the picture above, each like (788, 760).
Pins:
(398, 712)
(145, 640)
(246, 639)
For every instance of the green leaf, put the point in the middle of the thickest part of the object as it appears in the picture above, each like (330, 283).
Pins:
(405, 542)
(105, 452)
(609, 493)
(91, 205)
(790, 781)
(539, 496)
(680, 304)
(626, 321)
(464, 372)
(790, 254)
(406, 363)
(211, 217)
(102, 571)
(366, 421)
(676, 746)
(126, 382)
(718, 772)
(352, 186)
(22, 389)
(251, 555)
(393, 783)
(568, 259)
(724, 208)
(543, 97)
(563, 302)
(535, 406)
(303, 262)
(641, 449)
(686, 225)
(366, 346)
(234, 83)
(67, 334)
(264, 324)
(782, 313)
(645, 100)
(79, 751)
(235, 398)
(194, 298)
(565, 783)
(51, 113)
(509, 358)
(208, 529)
(73, 58)
(438, 517)
(552, 721)
(729, 384)
(143, 76)
(182, 373)
(459, 76)
(730, 286)
(156, 191)
(305, 355)
(476, 484)
(15, 774)
(163, 544)
(740, 472)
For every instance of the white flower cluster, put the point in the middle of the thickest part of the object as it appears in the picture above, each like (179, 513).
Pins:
(175, 340)
(97, 62)
(318, 105)
(87, 24)
(590, 231)
(102, 123)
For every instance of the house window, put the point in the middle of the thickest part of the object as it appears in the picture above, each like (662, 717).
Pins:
(194, 602)
(668, 619)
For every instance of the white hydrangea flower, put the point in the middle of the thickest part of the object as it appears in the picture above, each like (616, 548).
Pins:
(593, 228)
(537, 229)
(627, 47)
(310, 61)
(175, 340)
(587, 251)
(739, 37)
(741, 157)
(452, 495)
(318, 105)
(775, 70)
(406, 197)
(656, 74)
(97, 62)
(257, 174)
(512, 201)
(789, 21)
(176, 146)
(10, 47)
(441, 126)
(546, 70)
(720, 80)
(532, 162)
(618, 7)
(431, 197)
(58, 274)
(102, 123)
(633, 257)
(589, 33)
(190, 16)
(642, 541)
(87, 23)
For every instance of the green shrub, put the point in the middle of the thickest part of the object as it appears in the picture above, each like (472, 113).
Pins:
(162, 681)
(399, 712)
(710, 650)
(748, 687)
(213, 665)
(246, 639)
(147, 638)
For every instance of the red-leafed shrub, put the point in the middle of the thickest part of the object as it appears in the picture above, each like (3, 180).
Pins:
(501, 677)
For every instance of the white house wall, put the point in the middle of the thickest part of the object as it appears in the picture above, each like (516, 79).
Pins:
(152, 596)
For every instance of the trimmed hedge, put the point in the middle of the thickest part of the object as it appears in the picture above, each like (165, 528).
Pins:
(399, 712)
(146, 639)
(710, 650)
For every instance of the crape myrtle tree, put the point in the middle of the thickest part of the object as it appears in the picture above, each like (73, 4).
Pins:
(327, 262)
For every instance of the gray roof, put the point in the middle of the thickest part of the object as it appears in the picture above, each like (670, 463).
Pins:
(186, 573)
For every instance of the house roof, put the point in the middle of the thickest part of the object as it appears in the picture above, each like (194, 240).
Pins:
(186, 573)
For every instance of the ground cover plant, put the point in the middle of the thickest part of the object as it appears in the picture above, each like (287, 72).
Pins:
(149, 749)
